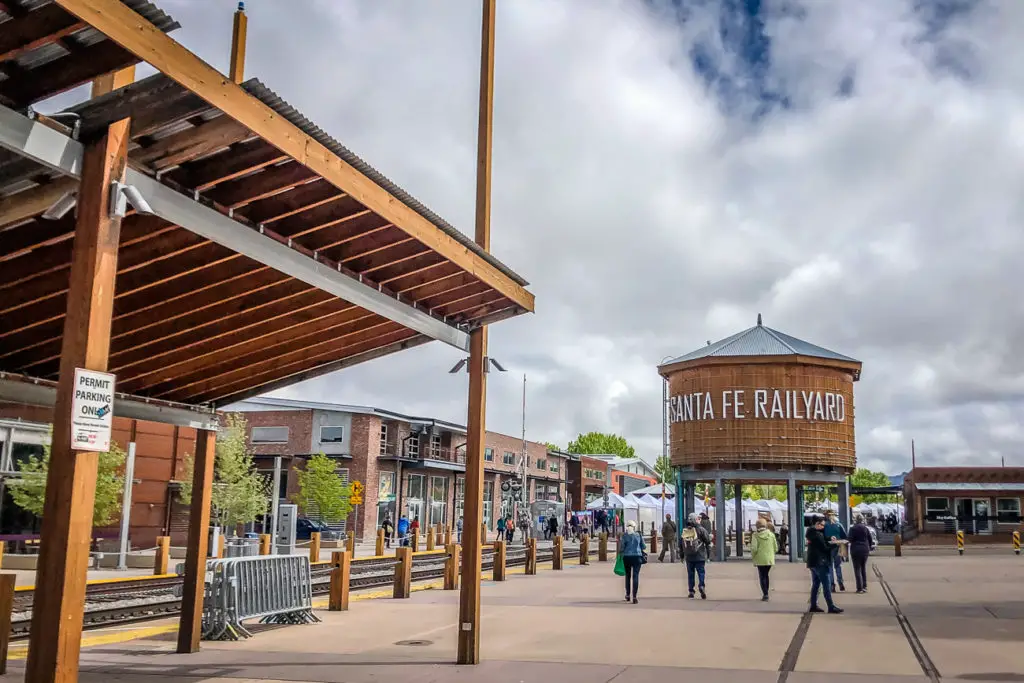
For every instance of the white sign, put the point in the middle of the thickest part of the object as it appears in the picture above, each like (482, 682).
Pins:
(787, 404)
(92, 410)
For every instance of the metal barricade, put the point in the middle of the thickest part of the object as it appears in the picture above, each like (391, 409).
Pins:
(241, 547)
(276, 589)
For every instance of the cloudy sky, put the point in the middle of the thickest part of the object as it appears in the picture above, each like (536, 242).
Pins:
(665, 172)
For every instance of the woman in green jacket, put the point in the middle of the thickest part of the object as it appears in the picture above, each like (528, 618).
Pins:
(763, 547)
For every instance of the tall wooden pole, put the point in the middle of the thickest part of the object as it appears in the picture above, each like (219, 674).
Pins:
(469, 597)
(190, 622)
(238, 33)
(59, 601)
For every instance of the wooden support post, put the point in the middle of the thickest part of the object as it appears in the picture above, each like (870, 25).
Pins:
(483, 533)
(403, 572)
(191, 621)
(498, 567)
(531, 557)
(115, 80)
(585, 550)
(265, 544)
(340, 575)
(602, 547)
(59, 598)
(654, 541)
(7, 582)
(430, 539)
(897, 542)
(469, 598)
(163, 554)
(220, 545)
(350, 543)
(416, 540)
(451, 567)
(241, 24)
(314, 546)
(1, 553)
(556, 553)
(447, 536)
(378, 550)
(439, 536)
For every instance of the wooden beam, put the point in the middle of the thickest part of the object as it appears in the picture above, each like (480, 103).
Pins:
(31, 203)
(152, 103)
(127, 28)
(239, 160)
(57, 608)
(238, 39)
(40, 27)
(267, 183)
(476, 424)
(115, 80)
(190, 624)
(191, 143)
(65, 73)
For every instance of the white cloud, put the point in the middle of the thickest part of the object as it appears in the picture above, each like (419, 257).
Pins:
(650, 217)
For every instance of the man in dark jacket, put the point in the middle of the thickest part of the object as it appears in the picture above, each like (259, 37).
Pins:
(669, 536)
(860, 548)
(819, 560)
(694, 547)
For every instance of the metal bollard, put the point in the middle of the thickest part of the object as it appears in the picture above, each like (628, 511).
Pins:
(451, 567)
(7, 582)
(340, 580)
(556, 554)
(498, 568)
(403, 572)
(960, 542)
(897, 542)
(163, 553)
(585, 550)
(314, 546)
(1016, 543)
(379, 549)
(265, 540)
(602, 547)
(531, 557)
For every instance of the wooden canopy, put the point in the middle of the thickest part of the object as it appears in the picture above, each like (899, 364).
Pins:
(199, 319)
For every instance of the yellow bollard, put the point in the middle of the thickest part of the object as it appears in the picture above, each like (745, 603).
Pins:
(403, 573)
(350, 543)
(379, 549)
(585, 550)
(897, 542)
(314, 546)
(265, 544)
(451, 567)
(602, 547)
(498, 568)
(556, 554)
(447, 536)
(163, 552)
(531, 557)
(430, 539)
(960, 542)
(415, 540)
(340, 581)
(1016, 543)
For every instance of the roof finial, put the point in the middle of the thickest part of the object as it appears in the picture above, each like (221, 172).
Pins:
(759, 320)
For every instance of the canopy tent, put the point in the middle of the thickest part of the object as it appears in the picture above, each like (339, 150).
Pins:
(655, 490)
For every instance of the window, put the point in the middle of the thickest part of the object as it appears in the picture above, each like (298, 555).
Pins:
(542, 464)
(415, 486)
(383, 439)
(936, 507)
(593, 474)
(412, 446)
(489, 454)
(435, 445)
(270, 435)
(509, 458)
(332, 434)
(438, 500)
(1008, 510)
(488, 502)
(460, 497)
(554, 466)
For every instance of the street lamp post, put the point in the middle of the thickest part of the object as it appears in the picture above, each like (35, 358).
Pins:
(664, 435)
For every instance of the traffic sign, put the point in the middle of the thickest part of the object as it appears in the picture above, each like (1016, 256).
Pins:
(92, 410)
(357, 488)
(356, 499)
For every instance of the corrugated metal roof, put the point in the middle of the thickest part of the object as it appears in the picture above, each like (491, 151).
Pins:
(965, 486)
(257, 89)
(761, 341)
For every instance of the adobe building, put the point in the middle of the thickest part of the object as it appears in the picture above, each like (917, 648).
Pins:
(761, 407)
(983, 502)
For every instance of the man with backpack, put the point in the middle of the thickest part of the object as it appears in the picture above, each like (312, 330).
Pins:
(695, 545)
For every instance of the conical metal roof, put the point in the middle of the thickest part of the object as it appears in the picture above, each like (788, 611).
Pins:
(761, 341)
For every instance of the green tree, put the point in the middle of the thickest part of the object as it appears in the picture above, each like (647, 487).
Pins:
(322, 490)
(553, 447)
(663, 468)
(29, 492)
(597, 443)
(240, 494)
(867, 478)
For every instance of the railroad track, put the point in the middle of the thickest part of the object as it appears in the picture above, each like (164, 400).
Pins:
(144, 598)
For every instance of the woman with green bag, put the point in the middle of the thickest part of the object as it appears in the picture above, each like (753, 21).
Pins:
(629, 557)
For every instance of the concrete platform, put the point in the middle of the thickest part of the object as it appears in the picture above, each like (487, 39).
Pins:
(964, 620)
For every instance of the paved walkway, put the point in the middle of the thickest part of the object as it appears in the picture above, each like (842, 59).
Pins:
(965, 621)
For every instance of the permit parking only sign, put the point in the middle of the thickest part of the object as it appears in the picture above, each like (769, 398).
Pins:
(92, 410)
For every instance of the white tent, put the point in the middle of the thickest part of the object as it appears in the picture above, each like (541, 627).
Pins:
(615, 502)
(655, 490)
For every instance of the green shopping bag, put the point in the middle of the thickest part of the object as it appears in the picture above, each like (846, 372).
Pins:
(620, 568)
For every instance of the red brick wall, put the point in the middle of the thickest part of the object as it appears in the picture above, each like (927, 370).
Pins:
(365, 449)
(300, 431)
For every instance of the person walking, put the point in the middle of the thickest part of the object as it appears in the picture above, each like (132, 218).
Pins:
(632, 549)
(669, 534)
(403, 531)
(389, 529)
(695, 547)
(458, 530)
(763, 547)
(501, 528)
(834, 531)
(705, 522)
(860, 548)
(819, 561)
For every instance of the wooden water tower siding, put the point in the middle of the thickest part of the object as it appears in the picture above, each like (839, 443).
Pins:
(757, 442)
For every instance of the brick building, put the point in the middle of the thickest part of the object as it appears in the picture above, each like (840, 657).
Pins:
(981, 501)
(588, 478)
(408, 465)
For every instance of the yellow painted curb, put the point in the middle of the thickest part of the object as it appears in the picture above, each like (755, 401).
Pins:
(20, 650)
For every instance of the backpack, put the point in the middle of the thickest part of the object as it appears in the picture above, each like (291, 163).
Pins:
(690, 540)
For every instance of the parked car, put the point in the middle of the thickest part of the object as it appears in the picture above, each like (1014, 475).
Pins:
(305, 526)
